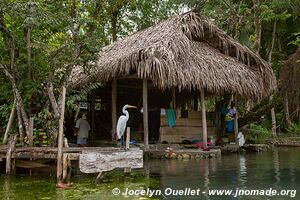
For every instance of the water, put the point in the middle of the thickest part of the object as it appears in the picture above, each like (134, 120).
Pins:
(278, 169)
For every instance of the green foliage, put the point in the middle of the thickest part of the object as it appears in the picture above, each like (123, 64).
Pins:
(40, 138)
(258, 134)
(294, 129)
(4, 114)
(297, 40)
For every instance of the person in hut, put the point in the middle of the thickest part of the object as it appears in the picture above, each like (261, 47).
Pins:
(82, 129)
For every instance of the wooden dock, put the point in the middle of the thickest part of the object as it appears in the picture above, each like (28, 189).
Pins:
(91, 159)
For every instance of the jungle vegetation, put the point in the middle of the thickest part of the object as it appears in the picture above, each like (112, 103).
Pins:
(42, 40)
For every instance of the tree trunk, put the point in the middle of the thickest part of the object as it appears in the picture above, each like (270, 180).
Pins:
(28, 46)
(60, 139)
(286, 110)
(273, 115)
(257, 24)
(10, 121)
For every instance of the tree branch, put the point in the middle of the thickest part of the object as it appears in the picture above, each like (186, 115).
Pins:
(53, 100)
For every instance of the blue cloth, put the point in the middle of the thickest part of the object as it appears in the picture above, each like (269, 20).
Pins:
(171, 117)
(230, 126)
(224, 110)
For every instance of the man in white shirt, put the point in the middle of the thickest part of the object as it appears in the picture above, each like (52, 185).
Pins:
(82, 131)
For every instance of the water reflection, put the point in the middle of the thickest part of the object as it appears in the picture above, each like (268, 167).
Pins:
(242, 170)
(276, 164)
(277, 169)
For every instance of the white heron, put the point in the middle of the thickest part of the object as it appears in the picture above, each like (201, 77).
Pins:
(122, 122)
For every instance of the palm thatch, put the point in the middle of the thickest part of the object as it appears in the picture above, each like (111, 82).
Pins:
(186, 51)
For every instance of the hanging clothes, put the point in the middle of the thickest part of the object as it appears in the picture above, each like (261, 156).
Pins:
(171, 117)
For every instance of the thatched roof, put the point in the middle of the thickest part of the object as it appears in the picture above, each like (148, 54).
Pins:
(186, 51)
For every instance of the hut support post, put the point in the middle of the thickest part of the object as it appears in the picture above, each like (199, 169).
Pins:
(204, 124)
(93, 116)
(10, 163)
(236, 125)
(10, 121)
(174, 97)
(145, 113)
(114, 108)
(59, 174)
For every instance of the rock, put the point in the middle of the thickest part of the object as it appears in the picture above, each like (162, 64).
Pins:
(173, 156)
(212, 155)
(186, 156)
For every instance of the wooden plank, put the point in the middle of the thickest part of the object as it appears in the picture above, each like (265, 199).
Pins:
(96, 162)
(145, 114)
(185, 122)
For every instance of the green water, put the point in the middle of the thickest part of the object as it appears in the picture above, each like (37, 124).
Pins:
(277, 169)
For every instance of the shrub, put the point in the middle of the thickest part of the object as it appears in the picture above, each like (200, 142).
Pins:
(258, 134)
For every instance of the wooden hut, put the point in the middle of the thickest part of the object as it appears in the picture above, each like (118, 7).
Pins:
(183, 53)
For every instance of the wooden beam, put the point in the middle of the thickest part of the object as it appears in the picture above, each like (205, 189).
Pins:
(145, 114)
(114, 108)
(59, 173)
(204, 123)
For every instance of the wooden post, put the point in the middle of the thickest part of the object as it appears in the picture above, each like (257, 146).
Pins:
(30, 136)
(174, 97)
(127, 137)
(236, 125)
(114, 108)
(93, 116)
(204, 124)
(10, 121)
(60, 138)
(127, 170)
(10, 163)
(145, 114)
(66, 164)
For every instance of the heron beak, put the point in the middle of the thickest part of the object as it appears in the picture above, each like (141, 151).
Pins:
(130, 106)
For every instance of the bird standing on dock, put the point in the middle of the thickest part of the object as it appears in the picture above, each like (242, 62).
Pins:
(122, 122)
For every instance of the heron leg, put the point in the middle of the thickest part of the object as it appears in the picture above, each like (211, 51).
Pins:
(122, 141)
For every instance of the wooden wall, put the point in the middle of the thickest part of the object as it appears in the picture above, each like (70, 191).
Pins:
(185, 128)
